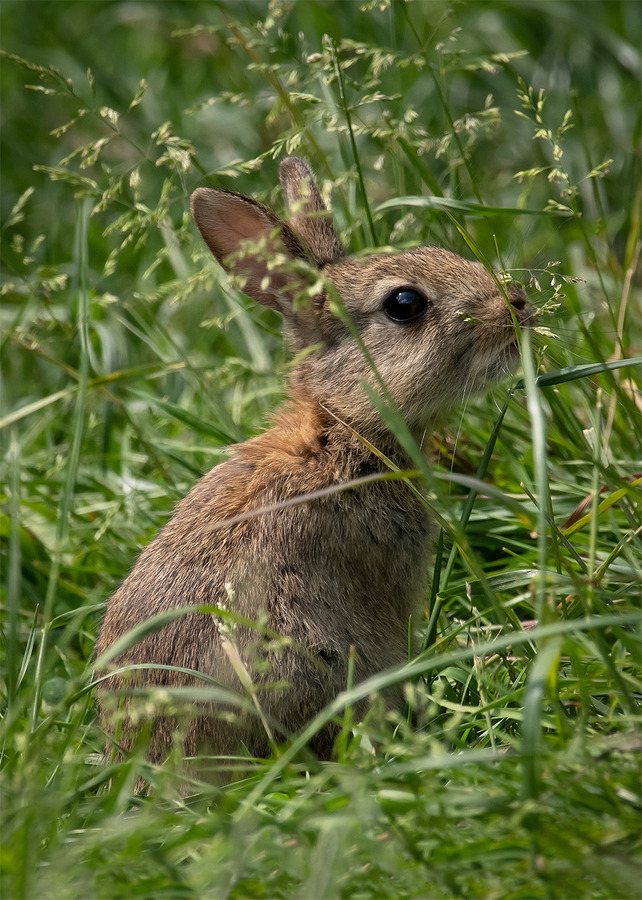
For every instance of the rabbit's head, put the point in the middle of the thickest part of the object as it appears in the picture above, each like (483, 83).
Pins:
(435, 326)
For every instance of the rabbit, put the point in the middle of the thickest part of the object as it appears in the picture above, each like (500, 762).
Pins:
(339, 573)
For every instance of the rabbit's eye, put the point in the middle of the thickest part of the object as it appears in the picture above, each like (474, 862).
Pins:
(405, 305)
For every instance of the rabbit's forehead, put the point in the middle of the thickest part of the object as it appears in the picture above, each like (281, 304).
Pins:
(438, 273)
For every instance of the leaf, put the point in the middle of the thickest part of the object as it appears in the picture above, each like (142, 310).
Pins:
(573, 373)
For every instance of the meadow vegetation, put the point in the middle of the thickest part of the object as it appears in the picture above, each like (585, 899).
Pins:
(506, 131)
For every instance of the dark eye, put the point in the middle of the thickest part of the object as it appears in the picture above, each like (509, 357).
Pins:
(405, 305)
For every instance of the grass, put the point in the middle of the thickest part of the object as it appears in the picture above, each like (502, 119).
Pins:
(128, 366)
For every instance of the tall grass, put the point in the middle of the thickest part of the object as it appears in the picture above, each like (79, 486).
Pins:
(504, 131)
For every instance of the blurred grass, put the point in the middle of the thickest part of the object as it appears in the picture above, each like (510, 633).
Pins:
(128, 366)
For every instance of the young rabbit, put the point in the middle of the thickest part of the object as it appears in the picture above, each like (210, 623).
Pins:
(344, 569)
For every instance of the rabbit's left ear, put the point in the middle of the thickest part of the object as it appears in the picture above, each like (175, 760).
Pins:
(249, 239)
(308, 213)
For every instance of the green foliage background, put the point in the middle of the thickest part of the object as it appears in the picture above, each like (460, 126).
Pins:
(129, 365)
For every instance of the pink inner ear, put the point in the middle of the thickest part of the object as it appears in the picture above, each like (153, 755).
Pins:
(244, 223)
(227, 221)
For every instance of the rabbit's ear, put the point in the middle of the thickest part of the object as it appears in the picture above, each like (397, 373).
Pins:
(308, 213)
(249, 239)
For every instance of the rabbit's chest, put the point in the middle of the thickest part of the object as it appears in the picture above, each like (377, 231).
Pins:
(340, 560)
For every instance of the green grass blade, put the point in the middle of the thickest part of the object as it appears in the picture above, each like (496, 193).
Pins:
(81, 258)
(572, 373)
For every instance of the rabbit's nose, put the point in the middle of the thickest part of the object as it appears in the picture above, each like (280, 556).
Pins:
(524, 309)
(521, 304)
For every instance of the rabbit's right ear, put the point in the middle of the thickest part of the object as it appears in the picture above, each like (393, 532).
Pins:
(308, 212)
(249, 239)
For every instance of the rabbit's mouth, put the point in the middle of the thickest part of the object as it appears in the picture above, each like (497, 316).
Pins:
(505, 363)
(512, 351)
(494, 366)
(489, 365)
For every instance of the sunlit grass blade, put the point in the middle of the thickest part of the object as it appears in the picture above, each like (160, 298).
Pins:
(541, 676)
(465, 206)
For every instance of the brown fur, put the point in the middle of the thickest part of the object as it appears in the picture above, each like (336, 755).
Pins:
(345, 569)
